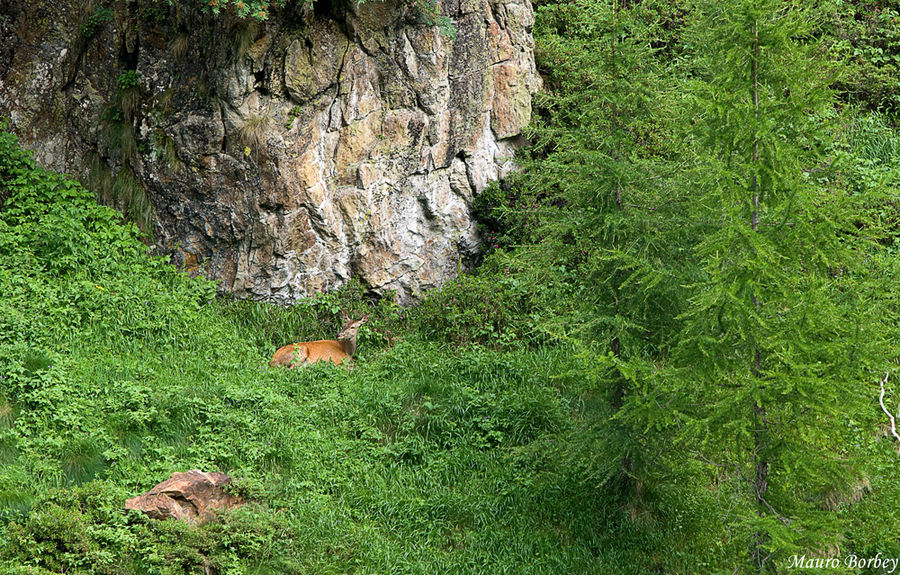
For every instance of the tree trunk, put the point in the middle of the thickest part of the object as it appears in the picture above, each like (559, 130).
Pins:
(760, 432)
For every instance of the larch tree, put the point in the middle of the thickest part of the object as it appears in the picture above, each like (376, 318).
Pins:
(779, 348)
(612, 236)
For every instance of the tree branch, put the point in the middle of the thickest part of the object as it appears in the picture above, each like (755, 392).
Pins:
(780, 517)
(884, 409)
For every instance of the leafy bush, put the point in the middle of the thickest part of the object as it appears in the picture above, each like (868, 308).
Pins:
(864, 36)
(489, 308)
(95, 21)
(507, 214)
(127, 80)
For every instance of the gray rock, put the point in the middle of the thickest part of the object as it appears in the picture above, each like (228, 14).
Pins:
(283, 159)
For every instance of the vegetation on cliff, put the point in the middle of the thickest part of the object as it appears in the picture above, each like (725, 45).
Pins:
(670, 361)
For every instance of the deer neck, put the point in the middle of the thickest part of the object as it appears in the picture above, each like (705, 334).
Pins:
(349, 344)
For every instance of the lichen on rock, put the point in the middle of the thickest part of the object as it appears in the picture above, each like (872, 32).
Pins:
(284, 158)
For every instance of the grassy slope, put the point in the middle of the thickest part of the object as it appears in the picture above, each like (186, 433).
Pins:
(116, 371)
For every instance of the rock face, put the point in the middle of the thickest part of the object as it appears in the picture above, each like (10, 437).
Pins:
(192, 496)
(337, 140)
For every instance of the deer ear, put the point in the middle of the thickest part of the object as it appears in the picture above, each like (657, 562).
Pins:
(344, 314)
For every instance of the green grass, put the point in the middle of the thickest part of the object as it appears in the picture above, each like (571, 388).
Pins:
(461, 442)
(432, 455)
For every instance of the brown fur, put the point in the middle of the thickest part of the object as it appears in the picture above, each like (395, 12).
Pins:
(333, 350)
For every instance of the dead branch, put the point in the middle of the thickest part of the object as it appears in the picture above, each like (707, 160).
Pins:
(780, 517)
(884, 409)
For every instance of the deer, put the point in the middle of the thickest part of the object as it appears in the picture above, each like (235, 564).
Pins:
(333, 350)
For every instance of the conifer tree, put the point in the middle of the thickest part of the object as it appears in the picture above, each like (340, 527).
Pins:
(612, 230)
(777, 349)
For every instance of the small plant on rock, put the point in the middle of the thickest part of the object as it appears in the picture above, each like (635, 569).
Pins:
(252, 134)
(128, 93)
(97, 19)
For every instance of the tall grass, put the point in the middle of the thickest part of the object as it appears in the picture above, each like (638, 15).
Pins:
(244, 34)
(129, 193)
(425, 457)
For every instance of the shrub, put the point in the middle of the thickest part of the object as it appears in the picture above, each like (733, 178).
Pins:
(95, 21)
(864, 37)
(507, 214)
(490, 308)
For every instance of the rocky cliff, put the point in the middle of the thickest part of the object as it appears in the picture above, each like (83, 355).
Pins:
(335, 140)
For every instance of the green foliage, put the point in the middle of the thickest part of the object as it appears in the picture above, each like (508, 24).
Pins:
(648, 262)
(116, 370)
(666, 363)
(122, 139)
(293, 114)
(124, 190)
(127, 80)
(607, 267)
(84, 529)
(783, 331)
(256, 9)
(97, 19)
(602, 177)
(165, 149)
(154, 11)
(128, 95)
(483, 309)
(864, 36)
(507, 215)
(128, 192)
(429, 14)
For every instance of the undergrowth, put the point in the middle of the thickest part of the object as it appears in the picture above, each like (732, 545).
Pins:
(436, 453)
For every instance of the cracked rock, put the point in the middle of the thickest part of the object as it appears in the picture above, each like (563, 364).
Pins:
(285, 158)
(192, 496)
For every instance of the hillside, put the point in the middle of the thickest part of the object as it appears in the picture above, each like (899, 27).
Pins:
(118, 370)
(677, 355)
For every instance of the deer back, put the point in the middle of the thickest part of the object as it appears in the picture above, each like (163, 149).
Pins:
(311, 352)
(333, 350)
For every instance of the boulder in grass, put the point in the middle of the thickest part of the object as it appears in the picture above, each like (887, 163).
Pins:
(193, 496)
